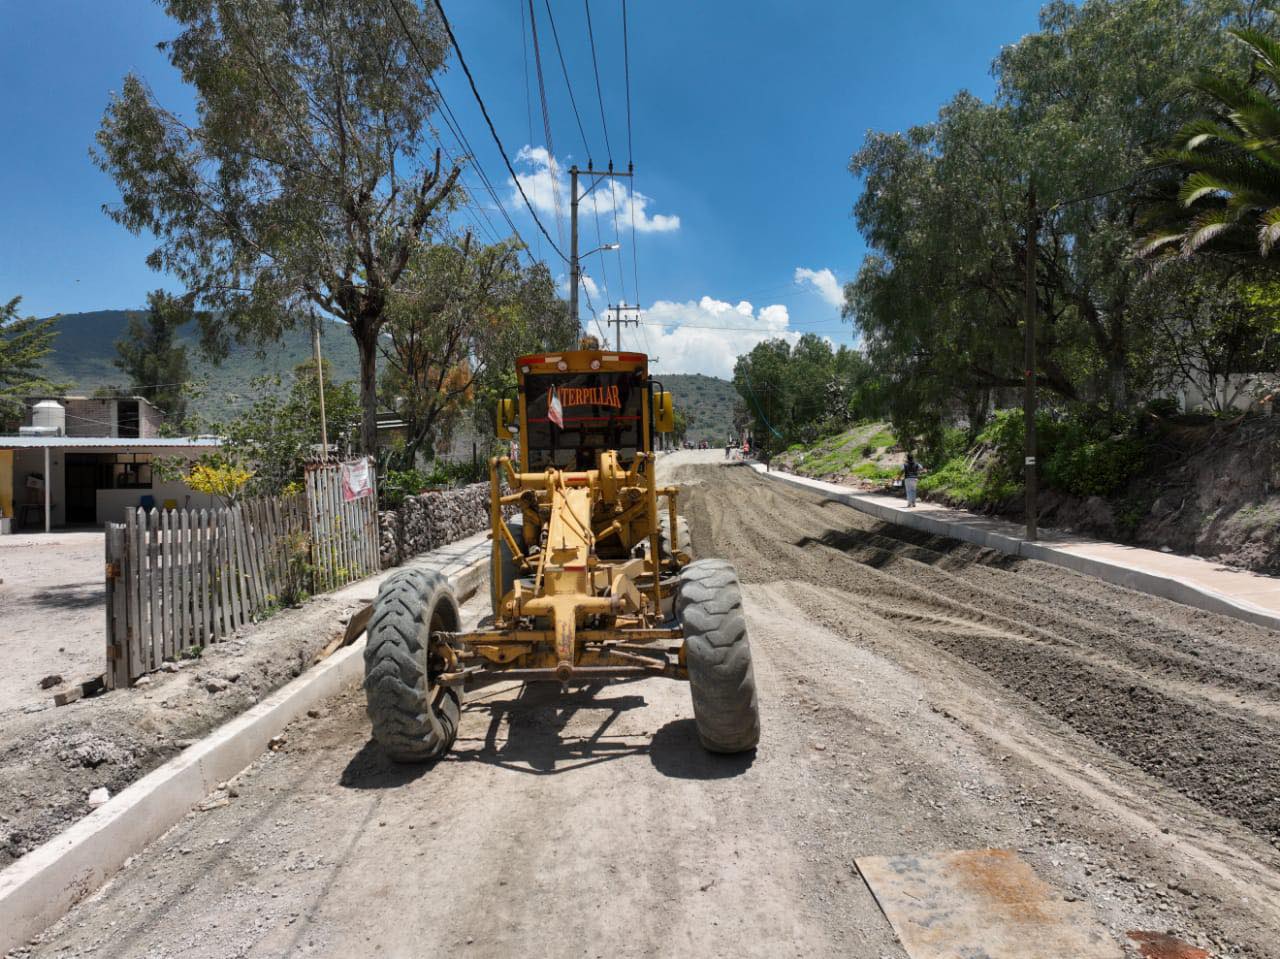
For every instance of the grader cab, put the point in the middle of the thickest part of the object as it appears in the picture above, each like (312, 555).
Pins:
(591, 575)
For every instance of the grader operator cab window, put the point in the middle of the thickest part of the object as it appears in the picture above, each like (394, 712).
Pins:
(601, 411)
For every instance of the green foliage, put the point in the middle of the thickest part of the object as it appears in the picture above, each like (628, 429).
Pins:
(939, 298)
(302, 173)
(800, 393)
(279, 432)
(153, 358)
(398, 484)
(25, 342)
(1228, 199)
(467, 312)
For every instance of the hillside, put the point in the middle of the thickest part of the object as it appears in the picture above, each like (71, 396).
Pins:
(85, 350)
(84, 355)
(706, 401)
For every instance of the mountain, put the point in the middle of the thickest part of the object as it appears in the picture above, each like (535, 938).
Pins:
(85, 351)
(707, 403)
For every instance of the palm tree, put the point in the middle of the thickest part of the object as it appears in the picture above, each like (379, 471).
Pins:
(1228, 201)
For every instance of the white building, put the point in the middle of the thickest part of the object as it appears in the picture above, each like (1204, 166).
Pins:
(80, 461)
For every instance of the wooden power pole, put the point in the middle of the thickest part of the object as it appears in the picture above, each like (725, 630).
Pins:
(1029, 362)
(324, 426)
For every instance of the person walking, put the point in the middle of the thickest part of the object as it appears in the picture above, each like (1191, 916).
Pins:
(911, 471)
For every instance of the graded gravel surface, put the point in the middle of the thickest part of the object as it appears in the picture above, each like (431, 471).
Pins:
(917, 695)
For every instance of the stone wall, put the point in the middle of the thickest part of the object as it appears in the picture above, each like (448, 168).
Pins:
(425, 522)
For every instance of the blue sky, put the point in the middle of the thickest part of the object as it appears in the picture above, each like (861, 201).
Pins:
(744, 114)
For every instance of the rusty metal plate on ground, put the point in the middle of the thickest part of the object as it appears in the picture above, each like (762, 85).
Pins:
(981, 904)
(1159, 945)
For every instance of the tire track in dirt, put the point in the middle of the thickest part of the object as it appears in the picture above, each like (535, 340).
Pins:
(1202, 724)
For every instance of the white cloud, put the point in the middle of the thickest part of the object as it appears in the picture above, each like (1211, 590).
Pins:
(706, 335)
(824, 281)
(545, 180)
(592, 288)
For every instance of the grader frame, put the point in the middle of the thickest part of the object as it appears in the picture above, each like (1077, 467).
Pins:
(595, 571)
(587, 585)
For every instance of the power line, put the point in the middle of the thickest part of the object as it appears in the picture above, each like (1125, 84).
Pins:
(599, 95)
(546, 123)
(626, 68)
(564, 70)
(451, 121)
(485, 111)
(528, 94)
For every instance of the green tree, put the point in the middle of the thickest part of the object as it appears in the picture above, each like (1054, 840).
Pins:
(151, 357)
(939, 300)
(1228, 197)
(24, 344)
(468, 311)
(305, 176)
(277, 434)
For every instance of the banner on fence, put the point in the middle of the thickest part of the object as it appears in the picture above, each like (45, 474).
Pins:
(357, 481)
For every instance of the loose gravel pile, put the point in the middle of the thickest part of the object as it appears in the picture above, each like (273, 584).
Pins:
(1190, 697)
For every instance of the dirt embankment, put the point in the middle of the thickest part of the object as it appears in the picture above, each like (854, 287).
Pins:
(51, 760)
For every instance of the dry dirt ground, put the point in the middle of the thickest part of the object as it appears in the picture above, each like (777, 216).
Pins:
(917, 695)
(51, 602)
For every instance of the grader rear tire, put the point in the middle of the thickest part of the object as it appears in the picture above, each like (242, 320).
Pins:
(718, 655)
(507, 564)
(414, 720)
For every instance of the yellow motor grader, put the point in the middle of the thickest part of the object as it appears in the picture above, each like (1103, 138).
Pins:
(592, 579)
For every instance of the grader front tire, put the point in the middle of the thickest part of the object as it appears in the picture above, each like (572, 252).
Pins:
(414, 720)
(718, 655)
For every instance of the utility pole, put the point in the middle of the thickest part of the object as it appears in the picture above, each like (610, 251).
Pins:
(1029, 362)
(575, 261)
(575, 268)
(324, 427)
(618, 322)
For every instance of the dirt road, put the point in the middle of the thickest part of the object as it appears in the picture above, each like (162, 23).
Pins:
(917, 695)
(51, 598)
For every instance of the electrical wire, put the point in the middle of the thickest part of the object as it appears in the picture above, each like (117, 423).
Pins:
(557, 203)
(564, 70)
(455, 127)
(591, 36)
(453, 40)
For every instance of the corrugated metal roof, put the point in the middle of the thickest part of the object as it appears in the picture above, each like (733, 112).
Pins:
(107, 442)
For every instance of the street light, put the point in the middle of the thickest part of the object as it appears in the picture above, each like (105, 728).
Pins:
(601, 249)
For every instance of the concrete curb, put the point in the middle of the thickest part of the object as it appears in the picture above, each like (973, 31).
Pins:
(1154, 584)
(45, 884)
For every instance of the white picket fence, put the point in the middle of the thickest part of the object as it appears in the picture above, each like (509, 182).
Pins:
(182, 579)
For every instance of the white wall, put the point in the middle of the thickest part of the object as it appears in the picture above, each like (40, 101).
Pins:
(111, 503)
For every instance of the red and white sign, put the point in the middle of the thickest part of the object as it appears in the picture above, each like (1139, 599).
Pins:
(357, 480)
(555, 412)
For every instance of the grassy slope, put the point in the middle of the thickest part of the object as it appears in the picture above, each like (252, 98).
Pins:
(844, 457)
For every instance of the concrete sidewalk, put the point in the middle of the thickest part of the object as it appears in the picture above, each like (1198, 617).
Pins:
(1196, 582)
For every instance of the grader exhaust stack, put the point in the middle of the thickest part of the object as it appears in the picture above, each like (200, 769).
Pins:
(591, 573)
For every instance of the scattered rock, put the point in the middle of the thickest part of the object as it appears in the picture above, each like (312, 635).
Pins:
(50, 681)
(170, 667)
(143, 681)
(98, 797)
(277, 743)
(215, 686)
